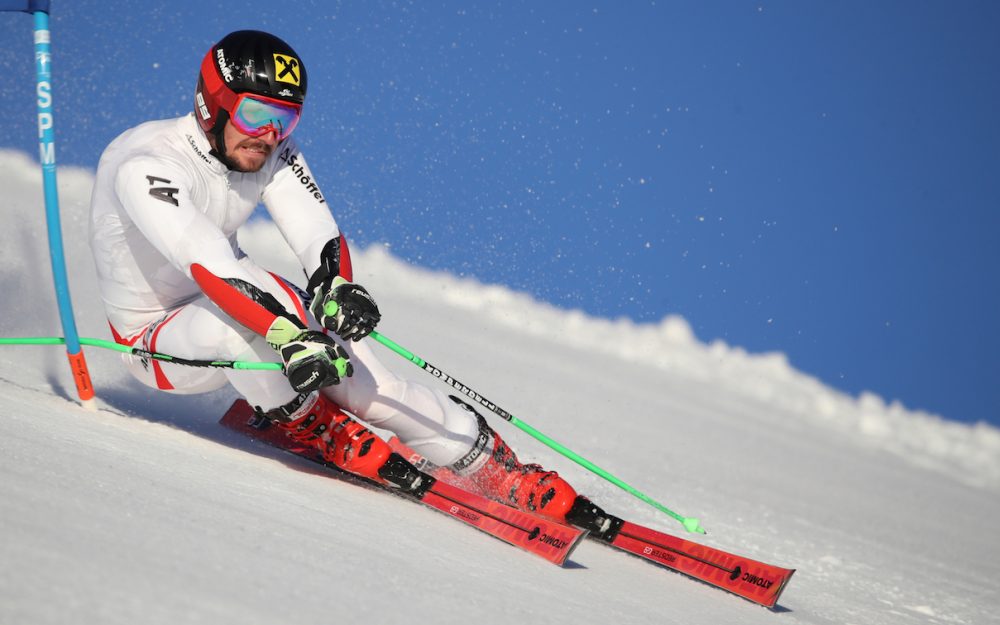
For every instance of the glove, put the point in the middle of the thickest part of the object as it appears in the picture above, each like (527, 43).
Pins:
(312, 360)
(345, 308)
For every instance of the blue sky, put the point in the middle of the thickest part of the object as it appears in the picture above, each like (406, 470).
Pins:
(813, 178)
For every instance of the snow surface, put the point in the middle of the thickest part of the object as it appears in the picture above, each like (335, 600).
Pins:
(147, 511)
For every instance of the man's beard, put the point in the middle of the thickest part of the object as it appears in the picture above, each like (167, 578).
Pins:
(232, 154)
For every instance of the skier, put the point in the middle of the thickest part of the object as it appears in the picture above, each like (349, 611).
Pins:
(168, 198)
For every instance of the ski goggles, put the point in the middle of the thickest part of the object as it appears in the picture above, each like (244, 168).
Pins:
(256, 115)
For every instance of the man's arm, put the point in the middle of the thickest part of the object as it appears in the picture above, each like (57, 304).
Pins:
(304, 219)
(297, 206)
(164, 211)
(159, 198)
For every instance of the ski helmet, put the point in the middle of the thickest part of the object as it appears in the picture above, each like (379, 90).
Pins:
(255, 69)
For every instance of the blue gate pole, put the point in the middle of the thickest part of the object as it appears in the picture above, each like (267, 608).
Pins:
(47, 156)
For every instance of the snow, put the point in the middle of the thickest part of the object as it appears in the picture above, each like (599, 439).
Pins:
(147, 511)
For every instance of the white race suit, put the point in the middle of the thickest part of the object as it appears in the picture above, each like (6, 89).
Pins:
(164, 216)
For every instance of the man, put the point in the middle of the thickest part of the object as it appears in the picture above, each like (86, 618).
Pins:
(168, 198)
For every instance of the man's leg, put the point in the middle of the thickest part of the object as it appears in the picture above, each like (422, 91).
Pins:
(423, 418)
(200, 331)
(449, 434)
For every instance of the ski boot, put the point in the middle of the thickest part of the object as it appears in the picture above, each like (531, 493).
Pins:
(492, 470)
(313, 420)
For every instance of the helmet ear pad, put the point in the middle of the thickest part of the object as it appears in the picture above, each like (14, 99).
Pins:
(212, 96)
(218, 133)
(212, 114)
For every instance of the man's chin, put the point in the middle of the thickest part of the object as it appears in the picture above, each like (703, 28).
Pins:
(247, 161)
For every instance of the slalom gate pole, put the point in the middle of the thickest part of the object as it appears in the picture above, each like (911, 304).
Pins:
(690, 524)
(46, 144)
(142, 353)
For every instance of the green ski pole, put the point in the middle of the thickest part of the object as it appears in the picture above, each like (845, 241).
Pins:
(137, 351)
(690, 524)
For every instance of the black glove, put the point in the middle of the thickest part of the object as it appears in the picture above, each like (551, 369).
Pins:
(345, 308)
(312, 361)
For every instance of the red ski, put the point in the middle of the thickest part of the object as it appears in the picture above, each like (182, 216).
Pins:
(755, 581)
(533, 533)
(759, 582)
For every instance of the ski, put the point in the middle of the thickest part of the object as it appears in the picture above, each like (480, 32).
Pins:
(538, 535)
(755, 581)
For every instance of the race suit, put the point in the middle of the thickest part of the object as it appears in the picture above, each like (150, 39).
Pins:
(164, 216)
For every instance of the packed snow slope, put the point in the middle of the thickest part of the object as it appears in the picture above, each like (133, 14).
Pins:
(147, 511)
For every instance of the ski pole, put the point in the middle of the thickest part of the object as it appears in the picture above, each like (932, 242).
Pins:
(143, 353)
(690, 524)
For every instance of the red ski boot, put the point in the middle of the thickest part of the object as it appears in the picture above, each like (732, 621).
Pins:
(312, 419)
(493, 470)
